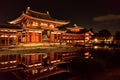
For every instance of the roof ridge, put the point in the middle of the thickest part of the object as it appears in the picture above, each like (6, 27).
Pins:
(28, 9)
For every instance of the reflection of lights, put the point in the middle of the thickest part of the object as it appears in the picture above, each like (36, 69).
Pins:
(12, 66)
(13, 61)
(87, 38)
(34, 65)
(3, 62)
(34, 71)
(39, 64)
(58, 60)
(55, 61)
(87, 55)
(4, 68)
(87, 34)
(13, 36)
(3, 36)
(41, 70)
(30, 65)
(106, 46)
(95, 47)
(91, 57)
(51, 68)
(45, 69)
(44, 56)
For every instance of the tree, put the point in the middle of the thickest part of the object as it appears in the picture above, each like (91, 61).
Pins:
(104, 34)
(117, 35)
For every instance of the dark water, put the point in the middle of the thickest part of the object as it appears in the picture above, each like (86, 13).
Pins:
(103, 64)
(85, 64)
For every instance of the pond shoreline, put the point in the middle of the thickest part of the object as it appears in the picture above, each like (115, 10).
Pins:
(39, 49)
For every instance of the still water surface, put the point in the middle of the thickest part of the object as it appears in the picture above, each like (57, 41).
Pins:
(85, 64)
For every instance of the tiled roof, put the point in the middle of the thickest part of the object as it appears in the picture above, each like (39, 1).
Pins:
(41, 15)
(10, 26)
(38, 14)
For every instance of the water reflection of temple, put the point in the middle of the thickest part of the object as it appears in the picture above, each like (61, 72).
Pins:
(8, 61)
(32, 65)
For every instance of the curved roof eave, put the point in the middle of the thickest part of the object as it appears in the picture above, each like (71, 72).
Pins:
(17, 19)
(25, 15)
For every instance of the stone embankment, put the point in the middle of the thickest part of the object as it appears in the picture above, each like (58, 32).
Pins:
(37, 49)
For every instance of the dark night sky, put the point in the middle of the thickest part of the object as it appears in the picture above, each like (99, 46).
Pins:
(96, 14)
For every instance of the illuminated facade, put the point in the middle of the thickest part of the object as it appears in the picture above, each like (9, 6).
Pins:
(77, 35)
(38, 27)
(35, 27)
(10, 35)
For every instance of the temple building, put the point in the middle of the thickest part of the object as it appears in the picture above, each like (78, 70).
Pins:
(77, 35)
(33, 27)
(10, 34)
(38, 27)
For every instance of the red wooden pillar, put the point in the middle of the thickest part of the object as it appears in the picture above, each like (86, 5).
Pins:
(69, 39)
(73, 39)
(30, 37)
(21, 38)
(5, 39)
(41, 36)
(37, 37)
(8, 39)
(60, 37)
(57, 37)
(34, 37)
(8, 34)
(51, 37)
(16, 39)
(41, 59)
(26, 36)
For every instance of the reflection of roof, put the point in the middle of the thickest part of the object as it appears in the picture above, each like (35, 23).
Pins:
(10, 26)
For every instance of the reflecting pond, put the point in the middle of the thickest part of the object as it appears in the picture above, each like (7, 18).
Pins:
(98, 63)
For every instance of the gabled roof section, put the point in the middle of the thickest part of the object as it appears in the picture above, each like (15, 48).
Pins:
(38, 14)
(75, 28)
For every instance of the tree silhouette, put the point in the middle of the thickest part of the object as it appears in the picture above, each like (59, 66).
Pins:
(104, 34)
(117, 35)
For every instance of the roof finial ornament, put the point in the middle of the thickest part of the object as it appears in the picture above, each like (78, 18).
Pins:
(28, 8)
(75, 25)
